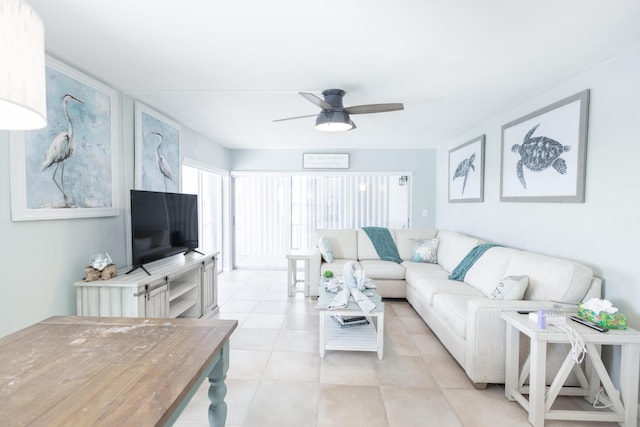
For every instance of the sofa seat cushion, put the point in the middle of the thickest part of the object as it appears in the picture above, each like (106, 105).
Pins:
(416, 269)
(429, 287)
(550, 278)
(452, 309)
(379, 269)
(337, 266)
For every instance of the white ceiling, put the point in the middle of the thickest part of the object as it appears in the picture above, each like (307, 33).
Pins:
(228, 68)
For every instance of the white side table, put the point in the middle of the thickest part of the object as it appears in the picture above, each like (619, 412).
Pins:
(293, 257)
(624, 408)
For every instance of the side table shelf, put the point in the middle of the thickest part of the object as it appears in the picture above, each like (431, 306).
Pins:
(355, 338)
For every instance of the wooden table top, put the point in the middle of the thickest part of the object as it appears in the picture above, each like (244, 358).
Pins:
(104, 371)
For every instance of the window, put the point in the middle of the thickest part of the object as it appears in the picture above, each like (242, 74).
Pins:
(276, 213)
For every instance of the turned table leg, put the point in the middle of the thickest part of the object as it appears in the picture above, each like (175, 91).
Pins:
(218, 389)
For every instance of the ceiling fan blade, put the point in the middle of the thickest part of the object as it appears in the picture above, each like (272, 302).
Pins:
(297, 117)
(374, 108)
(316, 101)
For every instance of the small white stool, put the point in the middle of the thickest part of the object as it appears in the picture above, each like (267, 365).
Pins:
(293, 257)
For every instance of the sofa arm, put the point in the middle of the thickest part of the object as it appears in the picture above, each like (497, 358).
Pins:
(315, 262)
(486, 336)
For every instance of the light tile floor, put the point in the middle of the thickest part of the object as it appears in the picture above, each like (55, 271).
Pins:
(277, 377)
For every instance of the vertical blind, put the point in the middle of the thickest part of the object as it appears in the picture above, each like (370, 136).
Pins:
(276, 213)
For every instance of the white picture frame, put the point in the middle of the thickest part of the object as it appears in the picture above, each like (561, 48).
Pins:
(70, 168)
(466, 171)
(325, 161)
(544, 153)
(158, 151)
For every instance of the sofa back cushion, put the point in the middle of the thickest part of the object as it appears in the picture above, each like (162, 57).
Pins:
(487, 272)
(366, 250)
(343, 242)
(551, 278)
(453, 247)
(403, 240)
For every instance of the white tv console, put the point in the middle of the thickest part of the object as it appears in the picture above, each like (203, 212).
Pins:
(178, 286)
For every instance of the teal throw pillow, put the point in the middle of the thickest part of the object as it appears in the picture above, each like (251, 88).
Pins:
(325, 249)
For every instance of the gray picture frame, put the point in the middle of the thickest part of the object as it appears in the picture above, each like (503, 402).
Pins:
(466, 171)
(544, 153)
(158, 151)
(70, 168)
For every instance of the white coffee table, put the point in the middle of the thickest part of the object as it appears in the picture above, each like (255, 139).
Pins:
(356, 338)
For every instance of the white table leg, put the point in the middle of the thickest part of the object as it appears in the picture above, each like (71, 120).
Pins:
(291, 277)
(629, 372)
(306, 277)
(511, 362)
(218, 389)
(380, 326)
(537, 382)
(323, 316)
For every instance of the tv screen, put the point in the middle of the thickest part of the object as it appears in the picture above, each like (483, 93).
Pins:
(162, 225)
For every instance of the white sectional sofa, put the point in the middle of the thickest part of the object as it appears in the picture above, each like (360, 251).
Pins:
(460, 313)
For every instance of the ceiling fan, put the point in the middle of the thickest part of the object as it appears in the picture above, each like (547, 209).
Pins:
(334, 116)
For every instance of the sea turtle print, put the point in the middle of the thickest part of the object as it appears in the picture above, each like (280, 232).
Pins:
(463, 170)
(538, 153)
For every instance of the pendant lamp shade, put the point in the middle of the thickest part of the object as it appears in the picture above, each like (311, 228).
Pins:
(23, 98)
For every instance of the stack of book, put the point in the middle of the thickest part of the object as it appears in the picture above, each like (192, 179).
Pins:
(348, 321)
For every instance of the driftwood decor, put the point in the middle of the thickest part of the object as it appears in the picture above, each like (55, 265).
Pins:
(107, 273)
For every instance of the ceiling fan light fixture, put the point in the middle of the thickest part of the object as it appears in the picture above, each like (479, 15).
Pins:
(334, 121)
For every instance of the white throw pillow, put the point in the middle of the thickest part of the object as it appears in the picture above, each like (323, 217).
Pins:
(510, 288)
(325, 249)
(424, 250)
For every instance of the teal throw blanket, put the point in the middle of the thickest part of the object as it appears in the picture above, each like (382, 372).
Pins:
(383, 243)
(467, 262)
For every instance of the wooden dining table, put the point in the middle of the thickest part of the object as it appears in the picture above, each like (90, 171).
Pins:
(90, 371)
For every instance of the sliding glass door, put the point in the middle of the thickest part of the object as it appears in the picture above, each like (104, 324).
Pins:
(208, 186)
(276, 213)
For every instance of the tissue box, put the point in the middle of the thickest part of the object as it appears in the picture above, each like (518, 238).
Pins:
(607, 320)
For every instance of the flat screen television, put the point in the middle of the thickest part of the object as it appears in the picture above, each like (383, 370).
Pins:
(162, 225)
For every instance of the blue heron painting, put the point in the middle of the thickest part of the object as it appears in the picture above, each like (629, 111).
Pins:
(68, 164)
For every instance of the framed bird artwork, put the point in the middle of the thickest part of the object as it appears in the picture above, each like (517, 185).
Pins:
(466, 171)
(157, 151)
(68, 169)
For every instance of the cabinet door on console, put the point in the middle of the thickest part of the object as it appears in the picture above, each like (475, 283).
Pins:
(155, 300)
(209, 288)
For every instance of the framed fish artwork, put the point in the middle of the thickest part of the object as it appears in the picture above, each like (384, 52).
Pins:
(544, 153)
(158, 161)
(466, 171)
(70, 168)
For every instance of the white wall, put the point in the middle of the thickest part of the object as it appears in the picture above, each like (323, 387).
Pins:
(420, 162)
(603, 232)
(39, 260)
